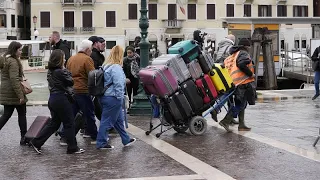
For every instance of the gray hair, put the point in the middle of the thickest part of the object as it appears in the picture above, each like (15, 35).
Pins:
(85, 44)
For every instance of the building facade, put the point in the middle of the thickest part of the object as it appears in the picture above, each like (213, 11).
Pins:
(118, 20)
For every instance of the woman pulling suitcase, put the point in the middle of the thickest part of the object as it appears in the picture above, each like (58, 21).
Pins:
(60, 104)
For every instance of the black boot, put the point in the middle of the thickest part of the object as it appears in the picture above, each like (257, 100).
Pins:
(226, 121)
(242, 126)
(234, 122)
(214, 115)
(23, 141)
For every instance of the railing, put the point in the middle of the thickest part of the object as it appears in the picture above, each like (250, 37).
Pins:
(87, 29)
(173, 24)
(68, 2)
(69, 29)
(87, 1)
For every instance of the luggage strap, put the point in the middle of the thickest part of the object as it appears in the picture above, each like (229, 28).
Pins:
(206, 87)
(223, 79)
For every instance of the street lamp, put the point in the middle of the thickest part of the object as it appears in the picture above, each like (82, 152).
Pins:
(141, 105)
(36, 32)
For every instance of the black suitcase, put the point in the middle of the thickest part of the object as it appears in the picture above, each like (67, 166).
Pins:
(206, 62)
(38, 124)
(190, 90)
(179, 108)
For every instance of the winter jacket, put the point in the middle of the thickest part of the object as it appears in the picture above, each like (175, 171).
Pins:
(60, 81)
(80, 65)
(65, 48)
(223, 50)
(127, 64)
(316, 57)
(11, 77)
(97, 58)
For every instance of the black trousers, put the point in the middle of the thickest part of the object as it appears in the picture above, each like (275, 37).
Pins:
(61, 111)
(22, 119)
(133, 87)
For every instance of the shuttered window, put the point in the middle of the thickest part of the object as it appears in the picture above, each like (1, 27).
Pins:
(192, 11)
(230, 10)
(133, 11)
(153, 11)
(45, 19)
(68, 19)
(86, 18)
(110, 19)
(211, 11)
(172, 11)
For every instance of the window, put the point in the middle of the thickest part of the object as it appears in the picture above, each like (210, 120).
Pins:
(110, 19)
(300, 11)
(192, 11)
(264, 10)
(304, 44)
(211, 11)
(110, 44)
(86, 18)
(44, 46)
(3, 21)
(69, 19)
(153, 11)
(282, 11)
(13, 20)
(247, 10)
(172, 11)
(133, 11)
(282, 44)
(45, 19)
(296, 44)
(230, 10)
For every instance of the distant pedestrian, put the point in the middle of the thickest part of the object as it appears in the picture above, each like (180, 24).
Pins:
(11, 94)
(112, 101)
(224, 47)
(316, 67)
(58, 43)
(61, 92)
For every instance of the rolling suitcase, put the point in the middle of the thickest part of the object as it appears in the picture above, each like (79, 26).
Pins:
(207, 89)
(221, 78)
(188, 50)
(192, 94)
(158, 80)
(179, 108)
(206, 62)
(176, 63)
(195, 69)
(38, 124)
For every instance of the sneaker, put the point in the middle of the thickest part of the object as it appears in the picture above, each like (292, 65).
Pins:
(86, 136)
(79, 151)
(315, 96)
(131, 142)
(37, 149)
(63, 142)
(23, 141)
(106, 147)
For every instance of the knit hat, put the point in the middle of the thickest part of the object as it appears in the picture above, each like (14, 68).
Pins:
(244, 42)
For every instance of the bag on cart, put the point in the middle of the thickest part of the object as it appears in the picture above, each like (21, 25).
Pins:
(206, 62)
(158, 80)
(179, 108)
(221, 78)
(195, 69)
(192, 94)
(188, 50)
(207, 89)
(176, 63)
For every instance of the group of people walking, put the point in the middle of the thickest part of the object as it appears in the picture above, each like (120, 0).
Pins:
(68, 86)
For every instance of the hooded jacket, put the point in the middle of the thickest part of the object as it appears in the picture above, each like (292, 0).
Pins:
(97, 58)
(224, 48)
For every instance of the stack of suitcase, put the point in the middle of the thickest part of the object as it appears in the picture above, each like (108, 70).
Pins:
(186, 80)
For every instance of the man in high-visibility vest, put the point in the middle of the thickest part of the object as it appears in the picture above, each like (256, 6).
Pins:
(240, 67)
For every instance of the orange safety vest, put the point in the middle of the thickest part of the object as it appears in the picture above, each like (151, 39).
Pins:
(236, 74)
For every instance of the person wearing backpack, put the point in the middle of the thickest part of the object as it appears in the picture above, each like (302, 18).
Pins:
(80, 65)
(224, 48)
(58, 43)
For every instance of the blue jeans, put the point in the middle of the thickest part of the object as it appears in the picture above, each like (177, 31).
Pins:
(85, 104)
(155, 107)
(316, 81)
(112, 117)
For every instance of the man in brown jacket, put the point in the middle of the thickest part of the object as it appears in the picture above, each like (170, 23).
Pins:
(80, 65)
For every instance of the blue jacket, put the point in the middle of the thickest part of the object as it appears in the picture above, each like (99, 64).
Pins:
(115, 75)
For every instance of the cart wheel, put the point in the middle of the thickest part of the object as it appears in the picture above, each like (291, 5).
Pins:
(147, 133)
(158, 135)
(198, 125)
(181, 129)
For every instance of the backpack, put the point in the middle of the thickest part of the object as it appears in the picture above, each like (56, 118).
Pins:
(96, 82)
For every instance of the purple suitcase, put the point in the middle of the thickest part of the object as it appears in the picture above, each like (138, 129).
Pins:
(38, 124)
(195, 69)
(158, 80)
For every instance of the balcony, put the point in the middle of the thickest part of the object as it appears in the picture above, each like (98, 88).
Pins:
(87, 29)
(87, 2)
(68, 2)
(172, 24)
(70, 30)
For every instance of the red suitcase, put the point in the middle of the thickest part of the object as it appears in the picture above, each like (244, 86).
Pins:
(38, 124)
(209, 92)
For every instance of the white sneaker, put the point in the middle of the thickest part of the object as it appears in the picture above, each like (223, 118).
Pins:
(131, 142)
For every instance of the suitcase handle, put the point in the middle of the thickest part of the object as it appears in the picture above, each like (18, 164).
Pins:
(200, 92)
